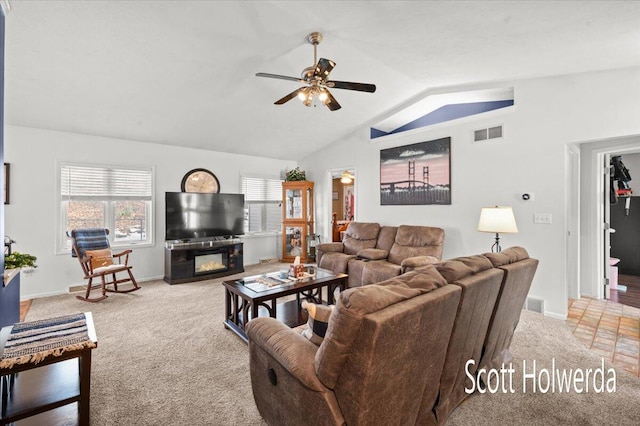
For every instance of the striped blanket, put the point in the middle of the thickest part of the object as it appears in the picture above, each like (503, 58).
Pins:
(36, 340)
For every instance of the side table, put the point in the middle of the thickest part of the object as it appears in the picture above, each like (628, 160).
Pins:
(32, 388)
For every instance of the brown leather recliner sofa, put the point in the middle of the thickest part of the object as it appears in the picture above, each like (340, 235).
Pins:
(394, 352)
(370, 253)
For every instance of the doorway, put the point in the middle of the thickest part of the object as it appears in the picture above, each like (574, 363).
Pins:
(591, 181)
(624, 217)
(343, 201)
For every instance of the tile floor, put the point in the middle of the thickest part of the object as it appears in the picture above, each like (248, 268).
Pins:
(610, 329)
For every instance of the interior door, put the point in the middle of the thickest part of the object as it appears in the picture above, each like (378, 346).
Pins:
(606, 226)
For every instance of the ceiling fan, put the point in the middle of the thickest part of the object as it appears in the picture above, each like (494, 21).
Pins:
(315, 80)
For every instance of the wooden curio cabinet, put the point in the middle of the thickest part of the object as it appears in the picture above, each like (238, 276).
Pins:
(297, 220)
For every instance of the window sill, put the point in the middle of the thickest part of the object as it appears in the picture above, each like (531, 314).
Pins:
(261, 235)
(114, 248)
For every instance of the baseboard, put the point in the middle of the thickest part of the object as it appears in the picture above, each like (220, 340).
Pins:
(82, 287)
(554, 315)
(40, 295)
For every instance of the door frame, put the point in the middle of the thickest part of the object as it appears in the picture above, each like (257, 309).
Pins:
(330, 175)
(591, 212)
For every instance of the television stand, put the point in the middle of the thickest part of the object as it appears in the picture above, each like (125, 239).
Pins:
(186, 261)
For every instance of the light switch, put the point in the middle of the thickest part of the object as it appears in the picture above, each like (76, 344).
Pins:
(544, 218)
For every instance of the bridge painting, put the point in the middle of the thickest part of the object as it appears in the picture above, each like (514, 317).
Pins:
(416, 174)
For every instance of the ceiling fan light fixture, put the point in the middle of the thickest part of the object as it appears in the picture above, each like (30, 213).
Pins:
(323, 97)
(308, 100)
(346, 177)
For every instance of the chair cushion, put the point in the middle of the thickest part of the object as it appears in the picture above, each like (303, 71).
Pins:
(99, 258)
(116, 267)
(318, 321)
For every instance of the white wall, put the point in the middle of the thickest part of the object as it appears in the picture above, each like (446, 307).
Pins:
(30, 219)
(548, 114)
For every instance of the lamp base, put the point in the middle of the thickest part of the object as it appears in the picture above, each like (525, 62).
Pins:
(495, 248)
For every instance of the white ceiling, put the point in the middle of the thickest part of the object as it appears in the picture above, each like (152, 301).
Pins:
(183, 72)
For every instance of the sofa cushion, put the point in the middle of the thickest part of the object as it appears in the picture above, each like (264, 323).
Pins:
(350, 309)
(455, 269)
(416, 241)
(427, 278)
(386, 237)
(359, 236)
(505, 257)
(317, 322)
(373, 254)
(344, 325)
(416, 262)
(377, 271)
(336, 262)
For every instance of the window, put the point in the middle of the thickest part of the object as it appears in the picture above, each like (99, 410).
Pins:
(114, 197)
(262, 204)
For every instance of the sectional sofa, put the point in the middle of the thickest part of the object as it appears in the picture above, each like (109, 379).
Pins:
(370, 253)
(394, 352)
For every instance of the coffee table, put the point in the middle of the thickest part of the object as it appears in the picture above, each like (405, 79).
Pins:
(258, 295)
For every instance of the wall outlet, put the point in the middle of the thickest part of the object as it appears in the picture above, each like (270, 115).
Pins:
(544, 218)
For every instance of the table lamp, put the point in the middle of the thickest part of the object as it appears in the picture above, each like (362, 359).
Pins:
(497, 220)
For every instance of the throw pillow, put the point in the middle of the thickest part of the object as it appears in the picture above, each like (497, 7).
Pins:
(100, 258)
(318, 321)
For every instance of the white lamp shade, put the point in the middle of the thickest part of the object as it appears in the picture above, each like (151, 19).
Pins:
(497, 220)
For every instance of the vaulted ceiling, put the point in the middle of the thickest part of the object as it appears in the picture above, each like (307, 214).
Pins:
(183, 72)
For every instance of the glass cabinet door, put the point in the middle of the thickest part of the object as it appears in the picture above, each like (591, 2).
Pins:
(294, 204)
(294, 241)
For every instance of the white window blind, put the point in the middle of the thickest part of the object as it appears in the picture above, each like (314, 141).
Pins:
(118, 198)
(263, 206)
(80, 182)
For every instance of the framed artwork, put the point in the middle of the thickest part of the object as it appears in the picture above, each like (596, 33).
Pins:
(7, 168)
(334, 195)
(416, 174)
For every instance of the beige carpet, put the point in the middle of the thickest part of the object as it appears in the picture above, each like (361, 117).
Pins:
(164, 357)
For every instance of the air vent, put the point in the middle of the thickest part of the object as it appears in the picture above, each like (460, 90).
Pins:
(488, 133)
(535, 305)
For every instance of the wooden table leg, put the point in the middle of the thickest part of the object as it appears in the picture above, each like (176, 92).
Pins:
(85, 387)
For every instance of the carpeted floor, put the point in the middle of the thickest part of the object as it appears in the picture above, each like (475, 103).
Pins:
(164, 357)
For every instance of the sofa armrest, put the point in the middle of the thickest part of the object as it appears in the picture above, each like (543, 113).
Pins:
(411, 263)
(294, 352)
(373, 254)
(324, 248)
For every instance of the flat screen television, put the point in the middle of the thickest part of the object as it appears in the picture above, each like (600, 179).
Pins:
(196, 216)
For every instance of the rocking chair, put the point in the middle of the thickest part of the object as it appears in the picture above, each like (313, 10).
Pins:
(91, 247)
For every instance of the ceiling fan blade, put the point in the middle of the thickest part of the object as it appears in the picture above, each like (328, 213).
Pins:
(331, 102)
(288, 97)
(360, 87)
(280, 77)
(323, 68)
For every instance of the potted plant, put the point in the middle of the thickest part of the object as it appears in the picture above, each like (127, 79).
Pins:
(17, 260)
(296, 175)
